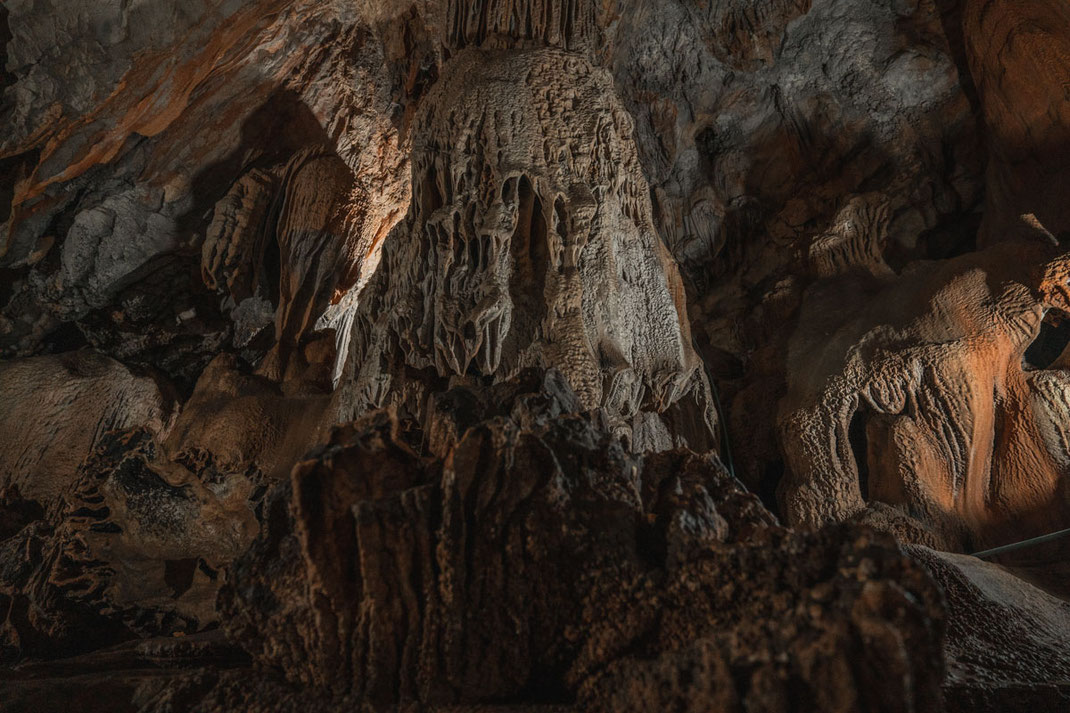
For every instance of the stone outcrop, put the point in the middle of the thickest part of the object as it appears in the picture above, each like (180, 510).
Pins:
(300, 214)
(540, 557)
(941, 394)
(532, 355)
(129, 550)
(134, 539)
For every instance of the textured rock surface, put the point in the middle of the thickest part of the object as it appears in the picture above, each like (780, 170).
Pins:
(934, 396)
(530, 243)
(542, 558)
(145, 149)
(56, 409)
(365, 355)
(1004, 648)
(1018, 55)
(134, 547)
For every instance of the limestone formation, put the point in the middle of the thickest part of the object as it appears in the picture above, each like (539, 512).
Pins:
(1001, 646)
(545, 558)
(145, 148)
(530, 243)
(55, 410)
(1017, 53)
(533, 356)
(130, 550)
(939, 394)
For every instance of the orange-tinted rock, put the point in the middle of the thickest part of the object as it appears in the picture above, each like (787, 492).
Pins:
(129, 164)
(504, 220)
(545, 561)
(1019, 55)
(936, 393)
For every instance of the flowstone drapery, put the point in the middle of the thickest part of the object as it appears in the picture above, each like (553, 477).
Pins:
(530, 243)
(941, 393)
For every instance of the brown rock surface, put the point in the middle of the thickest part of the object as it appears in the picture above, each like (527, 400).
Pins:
(55, 410)
(545, 561)
(1019, 55)
(402, 355)
(1004, 643)
(936, 395)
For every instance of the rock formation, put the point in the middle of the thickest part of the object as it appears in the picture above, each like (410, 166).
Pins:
(540, 554)
(533, 355)
(530, 243)
(1017, 54)
(936, 395)
(58, 408)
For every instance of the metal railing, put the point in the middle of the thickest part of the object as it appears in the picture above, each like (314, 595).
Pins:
(1021, 545)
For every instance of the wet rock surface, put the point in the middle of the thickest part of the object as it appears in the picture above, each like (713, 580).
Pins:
(533, 355)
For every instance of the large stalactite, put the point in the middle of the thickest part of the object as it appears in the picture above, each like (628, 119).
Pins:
(530, 244)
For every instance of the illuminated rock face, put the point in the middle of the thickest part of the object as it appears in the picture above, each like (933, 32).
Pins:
(929, 397)
(255, 145)
(530, 243)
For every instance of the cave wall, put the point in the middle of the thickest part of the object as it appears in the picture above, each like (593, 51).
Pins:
(593, 354)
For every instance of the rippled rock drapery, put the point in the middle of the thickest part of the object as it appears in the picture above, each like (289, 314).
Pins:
(530, 243)
(375, 354)
(936, 397)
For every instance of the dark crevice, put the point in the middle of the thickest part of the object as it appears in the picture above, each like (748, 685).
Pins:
(951, 12)
(6, 78)
(12, 170)
(772, 474)
(1051, 341)
(956, 235)
(178, 574)
(544, 688)
(710, 145)
(562, 219)
(67, 337)
(856, 436)
(530, 253)
(17, 512)
(430, 196)
(538, 250)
